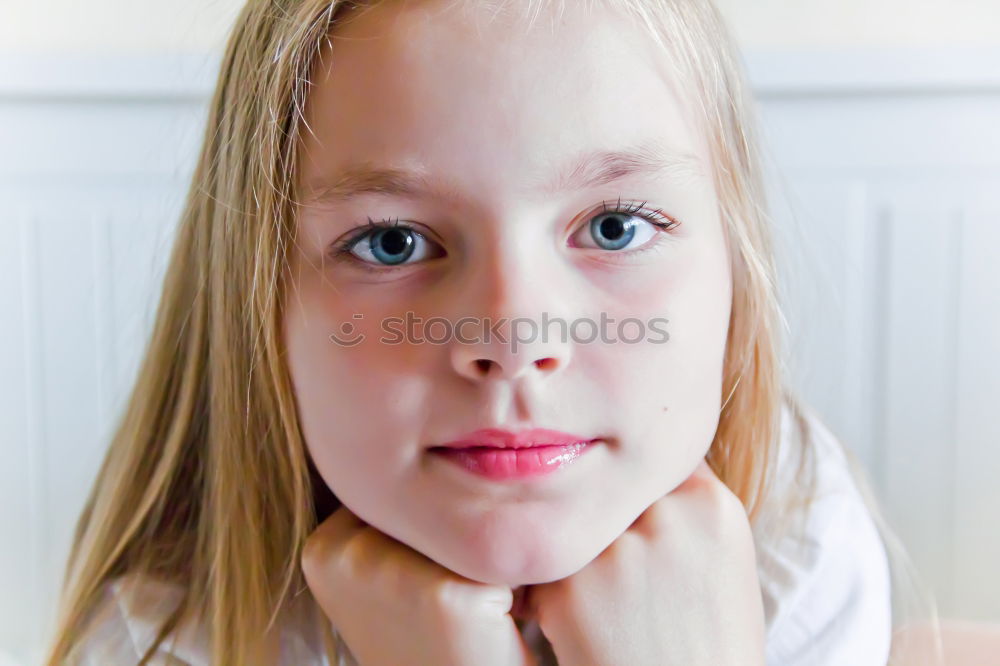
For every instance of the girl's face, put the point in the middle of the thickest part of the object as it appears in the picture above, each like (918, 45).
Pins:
(504, 143)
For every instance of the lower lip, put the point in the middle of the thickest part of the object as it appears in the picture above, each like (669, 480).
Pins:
(500, 464)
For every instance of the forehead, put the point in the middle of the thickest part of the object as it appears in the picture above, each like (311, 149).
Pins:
(448, 86)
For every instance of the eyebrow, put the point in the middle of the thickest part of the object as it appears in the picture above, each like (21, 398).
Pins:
(588, 169)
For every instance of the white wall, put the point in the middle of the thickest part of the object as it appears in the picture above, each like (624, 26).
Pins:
(862, 23)
(115, 26)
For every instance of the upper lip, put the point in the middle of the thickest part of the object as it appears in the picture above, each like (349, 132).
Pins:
(507, 439)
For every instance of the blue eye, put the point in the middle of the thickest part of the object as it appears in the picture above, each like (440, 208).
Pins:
(392, 246)
(617, 227)
(388, 244)
(612, 232)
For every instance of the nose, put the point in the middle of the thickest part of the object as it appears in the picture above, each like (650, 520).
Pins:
(498, 359)
(517, 336)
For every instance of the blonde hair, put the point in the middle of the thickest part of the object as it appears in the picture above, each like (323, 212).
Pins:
(208, 456)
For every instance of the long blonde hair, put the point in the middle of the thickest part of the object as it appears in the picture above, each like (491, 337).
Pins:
(207, 482)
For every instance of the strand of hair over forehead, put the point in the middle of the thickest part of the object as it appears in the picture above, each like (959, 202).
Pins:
(676, 26)
(679, 27)
(671, 23)
(531, 11)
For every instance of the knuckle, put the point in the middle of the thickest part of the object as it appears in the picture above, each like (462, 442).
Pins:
(314, 553)
(727, 509)
(350, 555)
(443, 597)
(331, 554)
(396, 579)
(452, 603)
(728, 502)
(439, 603)
(322, 541)
(662, 517)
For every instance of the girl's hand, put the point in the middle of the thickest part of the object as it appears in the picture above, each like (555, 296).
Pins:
(393, 605)
(680, 586)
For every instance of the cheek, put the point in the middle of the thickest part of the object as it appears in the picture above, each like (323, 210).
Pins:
(360, 405)
(670, 325)
(353, 332)
(667, 394)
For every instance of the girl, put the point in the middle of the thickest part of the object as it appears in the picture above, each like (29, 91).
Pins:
(292, 485)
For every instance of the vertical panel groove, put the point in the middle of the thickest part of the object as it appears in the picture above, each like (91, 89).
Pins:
(857, 369)
(103, 319)
(955, 278)
(35, 413)
(882, 242)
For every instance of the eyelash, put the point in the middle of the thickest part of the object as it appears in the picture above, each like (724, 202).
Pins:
(342, 249)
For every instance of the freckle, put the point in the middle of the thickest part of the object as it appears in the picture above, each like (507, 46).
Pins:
(665, 409)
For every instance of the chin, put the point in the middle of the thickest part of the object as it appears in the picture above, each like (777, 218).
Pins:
(514, 564)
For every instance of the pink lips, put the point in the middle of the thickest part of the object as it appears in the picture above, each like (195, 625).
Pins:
(501, 454)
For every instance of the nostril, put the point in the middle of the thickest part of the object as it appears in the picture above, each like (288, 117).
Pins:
(483, 364)
(546, 363)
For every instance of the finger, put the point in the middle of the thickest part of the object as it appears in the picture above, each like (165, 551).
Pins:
(702, 474)
(340, 524)
(517, 608)
(704, 482)
(704, 470)
(701, 477)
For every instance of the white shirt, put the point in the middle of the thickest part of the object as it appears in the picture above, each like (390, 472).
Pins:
(825, 584)
(825, 587)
